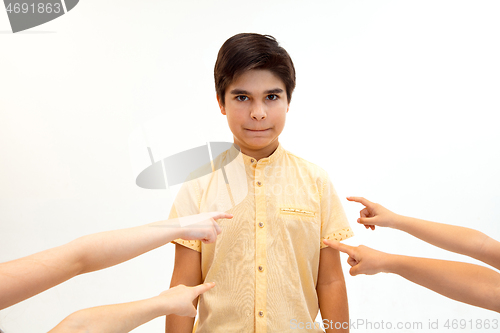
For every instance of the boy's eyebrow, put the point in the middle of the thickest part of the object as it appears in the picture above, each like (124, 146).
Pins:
(239, 92)
(274, 91)
(244, 92)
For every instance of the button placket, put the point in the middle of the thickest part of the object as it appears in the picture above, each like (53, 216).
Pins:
(260, 248)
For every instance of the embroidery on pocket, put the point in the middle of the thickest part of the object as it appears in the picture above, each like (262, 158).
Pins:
(296, 211)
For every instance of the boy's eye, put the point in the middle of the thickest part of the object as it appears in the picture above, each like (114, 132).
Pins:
(241, 98)
(272, 97)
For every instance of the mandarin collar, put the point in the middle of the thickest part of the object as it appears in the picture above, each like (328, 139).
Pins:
(248, 160)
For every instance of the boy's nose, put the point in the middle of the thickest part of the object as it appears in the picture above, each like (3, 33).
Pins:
(258, 112)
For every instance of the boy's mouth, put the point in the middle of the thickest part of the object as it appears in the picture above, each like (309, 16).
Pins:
(257, 130)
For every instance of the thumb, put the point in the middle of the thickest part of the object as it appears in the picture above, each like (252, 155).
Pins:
(355, 270)
(368, 220)
(217, 227)
(200, 289)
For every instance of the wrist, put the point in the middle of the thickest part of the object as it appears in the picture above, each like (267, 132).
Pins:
(170, 229)
(386, 263)
(397, 221)
(407, 224)
(160, 306)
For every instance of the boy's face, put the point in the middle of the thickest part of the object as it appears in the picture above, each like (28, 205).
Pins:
(256, 105)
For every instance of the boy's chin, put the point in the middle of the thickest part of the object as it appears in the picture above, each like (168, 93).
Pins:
(259, 144)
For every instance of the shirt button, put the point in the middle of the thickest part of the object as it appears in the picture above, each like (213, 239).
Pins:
(261, 269)
(261, 224)
(261, 313)
(259, 183)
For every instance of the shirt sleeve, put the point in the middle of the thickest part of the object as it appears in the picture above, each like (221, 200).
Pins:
(186, 203)
(334, 224)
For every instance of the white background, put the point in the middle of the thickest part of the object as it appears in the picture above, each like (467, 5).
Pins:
(397, 100)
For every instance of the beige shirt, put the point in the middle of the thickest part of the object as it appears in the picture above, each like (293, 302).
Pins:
(265, 262)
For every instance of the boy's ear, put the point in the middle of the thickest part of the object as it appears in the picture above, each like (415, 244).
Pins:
(222, 109)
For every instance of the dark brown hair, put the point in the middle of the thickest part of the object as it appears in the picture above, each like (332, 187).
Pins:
(247, 51)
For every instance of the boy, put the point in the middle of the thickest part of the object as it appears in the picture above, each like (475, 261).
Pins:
(269, 264)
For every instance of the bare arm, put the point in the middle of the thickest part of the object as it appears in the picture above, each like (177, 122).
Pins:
(187, 271)
(457, 239)
(332, 294)
(28, 276)
(120, 318)
(467, 283)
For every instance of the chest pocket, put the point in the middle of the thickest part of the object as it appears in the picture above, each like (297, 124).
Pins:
(299, 215)
(298, 212)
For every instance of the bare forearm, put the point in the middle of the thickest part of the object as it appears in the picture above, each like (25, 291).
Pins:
(333, 305)
(110, 248)
(116, 318)
(468, 283)
(25, 277)
(457, 239)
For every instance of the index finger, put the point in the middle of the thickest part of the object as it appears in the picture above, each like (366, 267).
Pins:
(223, 216)
(339, 246)
(361, 200)
(200, 289)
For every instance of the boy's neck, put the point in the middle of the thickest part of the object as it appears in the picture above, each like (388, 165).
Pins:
(260, 153)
